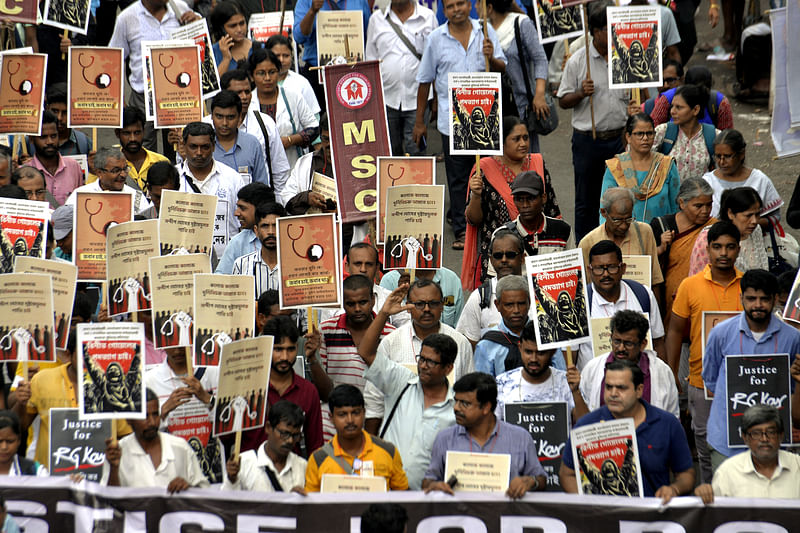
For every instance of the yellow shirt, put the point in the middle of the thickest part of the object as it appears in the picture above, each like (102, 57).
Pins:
(139, 176)
(630, 246)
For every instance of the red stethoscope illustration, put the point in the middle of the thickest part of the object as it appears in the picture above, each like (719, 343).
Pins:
(23, 88)
(314, 252)
(110, 224)
(102, 81)
(389, 173)
(184, 78)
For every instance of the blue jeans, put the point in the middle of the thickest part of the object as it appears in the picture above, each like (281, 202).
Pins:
(401, 127)
(589, 162)
(457, 168)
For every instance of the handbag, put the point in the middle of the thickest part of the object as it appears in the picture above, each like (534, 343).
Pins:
(777, 264)
(540, 126)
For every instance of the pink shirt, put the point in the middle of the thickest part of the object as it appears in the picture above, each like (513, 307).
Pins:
(67, 178)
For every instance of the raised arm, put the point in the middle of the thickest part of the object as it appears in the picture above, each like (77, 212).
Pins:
(393, 305)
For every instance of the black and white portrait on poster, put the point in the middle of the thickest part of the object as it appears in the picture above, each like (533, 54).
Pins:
(475, 113)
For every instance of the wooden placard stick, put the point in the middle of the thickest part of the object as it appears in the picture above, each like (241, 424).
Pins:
(485, 31)
(65, 35)
(588, 66)
(237, 445)
(310, 316)
(189, 370)
(113, 432)
(569, 356)
(283, 14)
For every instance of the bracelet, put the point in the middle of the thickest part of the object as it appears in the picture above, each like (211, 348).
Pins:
(714, 6)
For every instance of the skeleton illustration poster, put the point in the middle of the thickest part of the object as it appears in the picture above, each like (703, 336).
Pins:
(23, 230)
(96, 81)
(177, 87)
(70, 15)
(340, 38)
(22, 92)
(129, 248)
(606, 458)
(64, 276)
(555, 22)
(557, 285)
(394, 171)
(77, 446)
(111, 370)
(26, 318)
(95, 213)
(186, 222)
(197, 32)
(414, 227)
(475, 113)
(243, 380)
(308, 260)
(225, 311)
(634, 40)
(172, 291)
(262, 26)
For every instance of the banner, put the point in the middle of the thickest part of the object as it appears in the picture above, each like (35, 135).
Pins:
(63, 277)
(394, 171)
(186, 222)
(129, 248)
(172, 292)
(638, 268)
(262, 26)
(476, 112)
(22, 11)
(548, 424)
(26, 318)
(197, 32)
(601, 335)
(555, 22)
(340, 37)
(635, 51)
(22, 92)
(359, 134)
(96, 80)
(785, 138)
(757, 379)
(414, 227)
(558, 292)
(95, 213)
(308, 260)
(77, 446)
(23, 230)
(72, 15)
(225, 311)
(243, 381)
(177, 88)
(607, 459)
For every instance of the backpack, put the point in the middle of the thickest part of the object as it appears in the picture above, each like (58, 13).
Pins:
(671, 135)
(639, 290)
(513, 358)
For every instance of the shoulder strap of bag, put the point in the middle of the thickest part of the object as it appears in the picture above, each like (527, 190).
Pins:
(273, 479)
(402, 36)
(521, 50)
(327, 451)
(709, 133)
(641, 294)
(485, 293)
(639, 235)
(394, 409)
(266, 143)
(669, 138)
(190, 182)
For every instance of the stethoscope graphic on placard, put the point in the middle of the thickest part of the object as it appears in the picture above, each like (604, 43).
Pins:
(182, 80)
(413, 246)
(220, 338)
(109, 224)
(102, 81)
(314, 252)
(239, 408)
(389, 173)
(133, 288)
(23, 88)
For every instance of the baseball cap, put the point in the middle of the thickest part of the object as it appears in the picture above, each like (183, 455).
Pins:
(529, 182)
(62, 221)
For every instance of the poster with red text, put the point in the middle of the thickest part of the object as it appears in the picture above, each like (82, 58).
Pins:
(96, 81)
(26, 318)
(177, 86)
(476, 111)
(22, 92)
(262, 26)
(607, 458)
(23, 230)
(197, 32)
(634, 41)
(556, 22)
(394, 171)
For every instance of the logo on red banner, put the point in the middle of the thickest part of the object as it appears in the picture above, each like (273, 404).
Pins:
(353, 90)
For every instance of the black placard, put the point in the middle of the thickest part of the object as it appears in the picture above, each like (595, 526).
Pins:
(548, 424)
(77, 446)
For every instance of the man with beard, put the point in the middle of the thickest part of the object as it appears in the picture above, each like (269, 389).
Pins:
(63, 175)
(70, 141)
(246, 241)
(754, 331)
(150, 458)
(263, 264)
(131, 136)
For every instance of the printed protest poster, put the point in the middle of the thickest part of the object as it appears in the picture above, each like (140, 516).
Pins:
(177, 87)
(243, 380)
(638, 268)
(548, 424)
(478, 472)
(22, 92)
(77, 446)
(147, 47)
(95, 213)
(262, 26)
(606, 458)
(186, 222)
(197, 32)
(414, 227)
(634, 39)
(129, 248)
(601, 335)
(172, 284)
(325, 187)
(225, 311)
(792, 309)
(335, 483)
(753, 380)
(83, 162)
(340, 38)
(70, 15)
(359, 134)
(785, 138)
(22, 11)
(23, 230)
(64, 277)
(394, 171)
(308, 260)
(96, 80)
(556, 22)
(26, 318)
(476, 111)
(557, 285)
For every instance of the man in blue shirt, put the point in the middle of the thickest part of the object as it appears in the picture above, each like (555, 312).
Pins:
(754, 331)
(494, 354)
(240, 151)
(246, 241)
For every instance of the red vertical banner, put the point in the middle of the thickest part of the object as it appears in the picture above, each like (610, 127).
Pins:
(23, 11)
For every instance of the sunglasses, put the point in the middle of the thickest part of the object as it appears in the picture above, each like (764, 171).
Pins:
(500, 255)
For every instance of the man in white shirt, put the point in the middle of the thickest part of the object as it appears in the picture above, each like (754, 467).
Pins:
(273, 467)
(396, 37)
(263, 263)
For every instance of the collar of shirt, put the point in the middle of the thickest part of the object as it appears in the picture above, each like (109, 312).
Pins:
(415, 337)
(461, 431)
(61, 165)
(773, 328)
(524, 231)
(290, 388)
(338, 451)
(388, 13)
(601, 301)
(595, 54)
(185, 170)
(707, 276)
(747, 467)
(72, 140)
(476, 29)
(236, 144)
(145, 13)
(643, 363)
(170, 376)
(263, 459)
(167, 454)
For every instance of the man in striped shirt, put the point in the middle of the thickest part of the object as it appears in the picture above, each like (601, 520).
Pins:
(263, 264)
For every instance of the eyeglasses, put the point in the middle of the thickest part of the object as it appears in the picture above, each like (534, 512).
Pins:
(626, 344)
(759, 434)
(725, 157)
(36, 194)
(433, 304)
(116, 171)
(500, 255)
(289, 435)
(264, 73)
(618, 221)
(421, 359)
(642, 134)
(599, 269)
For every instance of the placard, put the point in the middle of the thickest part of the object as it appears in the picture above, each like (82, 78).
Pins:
(478, 472)
(96, 80)
(172, 291)
(325, 186)
(111, 370)
(186, 222)
(791, 310)
(26, 318)
(336, 483)
(147, 47)
(72, 15)
(83, 162)
(77, 446)
(340, 37)
(555, 22)
(177, 87)
(548, 424)
(243, 380)
(63, 277)
(601, 335)
(557, 285)
(634, 42)
(414, 227)
(476, 113)
(22, 92)
(606, 458)
(225, 311)
(639, 268)
(394, 171)
(129, 248)
(23, 230)
(191, 421)
(21, 11)
(197, 32)
(785, 138)
(262, 26)
(95, 213)
(308, 260)
(753, 380)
